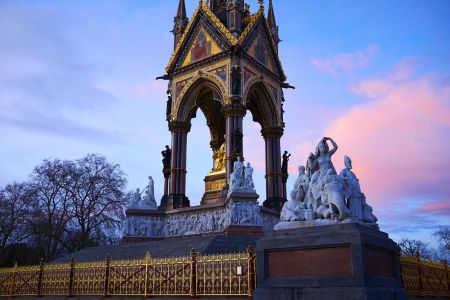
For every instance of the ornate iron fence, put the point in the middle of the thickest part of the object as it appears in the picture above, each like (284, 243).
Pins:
(425, 278)
(222, 274)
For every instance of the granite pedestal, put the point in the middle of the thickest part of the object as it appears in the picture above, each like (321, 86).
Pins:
(341, 261)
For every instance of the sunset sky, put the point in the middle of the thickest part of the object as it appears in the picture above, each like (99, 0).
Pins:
(78, 77)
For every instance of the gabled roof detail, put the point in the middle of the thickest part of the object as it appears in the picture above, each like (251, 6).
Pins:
(253, 21)
(205, 9)
(260, 30)
(203, 46)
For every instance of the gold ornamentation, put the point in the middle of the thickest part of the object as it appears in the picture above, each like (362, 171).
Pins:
(219, 158)
(216, 185)
(206, 75)
(212, 275)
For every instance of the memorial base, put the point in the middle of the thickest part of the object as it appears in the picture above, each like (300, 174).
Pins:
(342, 261)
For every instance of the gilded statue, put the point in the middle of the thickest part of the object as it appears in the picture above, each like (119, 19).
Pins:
(219, 158)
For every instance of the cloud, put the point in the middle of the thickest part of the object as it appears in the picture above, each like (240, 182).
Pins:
(45, 82)
(345, 62)
(398, 140)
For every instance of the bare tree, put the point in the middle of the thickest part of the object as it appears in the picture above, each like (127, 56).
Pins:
(97, 201)
(414, 247)
(14, 210)
(49, 184)
(443, 236)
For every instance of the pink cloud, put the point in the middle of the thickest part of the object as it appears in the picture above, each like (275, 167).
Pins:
(345, 61)
(152, 87)
(399, 142)
(442, 207)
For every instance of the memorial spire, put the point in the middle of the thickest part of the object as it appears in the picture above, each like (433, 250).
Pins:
(180, 22)
(272, 23)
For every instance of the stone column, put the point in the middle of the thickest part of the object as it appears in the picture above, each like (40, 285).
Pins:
(274, 185)
(234, 114)
(177, 185)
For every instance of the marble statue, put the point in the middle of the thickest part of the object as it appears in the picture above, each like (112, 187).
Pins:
(136, 199)
(321, 196)
(295, 209)
(326, 189)
(248, 178)
(361, 211)
(301, 185)
(148, 201)
(241, 179)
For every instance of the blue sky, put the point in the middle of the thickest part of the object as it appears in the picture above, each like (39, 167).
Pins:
(77, 77)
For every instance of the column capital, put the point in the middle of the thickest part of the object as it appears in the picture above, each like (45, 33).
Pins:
(179, 126)
(272, 132)
(235, 108)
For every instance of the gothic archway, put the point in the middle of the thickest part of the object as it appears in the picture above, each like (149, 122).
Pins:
(205, 93)
(265, 110)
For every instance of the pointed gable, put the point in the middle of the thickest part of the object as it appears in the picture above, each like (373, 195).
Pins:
(260, 51)
(205, 36)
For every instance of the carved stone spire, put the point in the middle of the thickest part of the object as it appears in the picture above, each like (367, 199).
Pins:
(235, 11)
(219, 8)
(180, 22)
(273, 24)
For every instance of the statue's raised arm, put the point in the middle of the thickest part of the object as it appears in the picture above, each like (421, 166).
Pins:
(335, 146)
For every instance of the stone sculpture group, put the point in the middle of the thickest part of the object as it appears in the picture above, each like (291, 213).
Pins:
(241, 179)
(146, 202)
(321, 196)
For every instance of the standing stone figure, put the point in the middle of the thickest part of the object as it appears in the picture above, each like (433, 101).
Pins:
(167, 153)
(168, 106)
(248, 174)
(241, 179)
(301, 185)
(361, 211)
(284, 165)
(136, 200)
(236, 80)
(237, 141)
(148, 201)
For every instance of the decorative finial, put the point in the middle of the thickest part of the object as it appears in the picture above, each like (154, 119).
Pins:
(261, 4)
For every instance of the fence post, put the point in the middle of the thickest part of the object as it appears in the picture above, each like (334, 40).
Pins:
(446, 277)
(72, 266)
(251, 271)
(419, 271)
(147, 262)
(107, 269)
(41, 272)
(399, 258)
(193, 291)
(13, 279)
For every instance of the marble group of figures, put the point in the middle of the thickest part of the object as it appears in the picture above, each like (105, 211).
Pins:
(241, 179)
(148, 200)
(320, 194)
(241, 213)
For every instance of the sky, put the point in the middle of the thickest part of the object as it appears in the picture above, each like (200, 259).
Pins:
(78, 77)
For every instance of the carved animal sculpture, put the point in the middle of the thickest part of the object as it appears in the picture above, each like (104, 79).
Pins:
(335, 199)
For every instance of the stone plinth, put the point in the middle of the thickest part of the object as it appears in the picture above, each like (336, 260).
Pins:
(239, 214)
(342, 261)
(214, 184)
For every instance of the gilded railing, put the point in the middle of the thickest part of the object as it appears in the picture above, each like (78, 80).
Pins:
(425, 278)
(221, 274)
